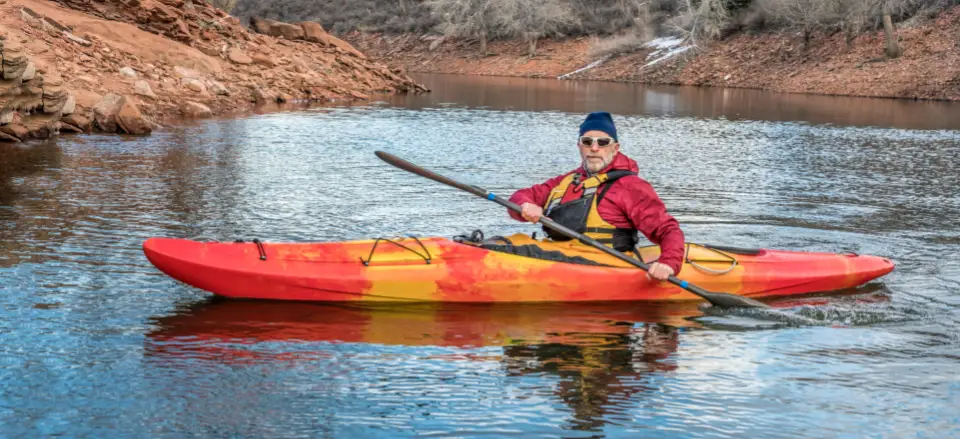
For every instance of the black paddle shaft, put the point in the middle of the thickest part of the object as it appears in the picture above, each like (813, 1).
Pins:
(724, 300)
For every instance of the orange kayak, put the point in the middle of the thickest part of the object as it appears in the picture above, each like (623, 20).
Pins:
(442, 270)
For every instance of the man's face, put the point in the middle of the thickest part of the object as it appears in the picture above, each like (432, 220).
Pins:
(597, 150)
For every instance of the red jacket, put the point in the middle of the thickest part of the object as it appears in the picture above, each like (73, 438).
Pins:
(631, 203)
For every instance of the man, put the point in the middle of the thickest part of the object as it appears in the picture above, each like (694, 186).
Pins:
(606, 200)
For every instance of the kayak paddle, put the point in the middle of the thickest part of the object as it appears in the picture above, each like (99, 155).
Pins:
(723, 300)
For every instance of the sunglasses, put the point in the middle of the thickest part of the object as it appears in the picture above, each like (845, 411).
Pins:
(602, 142)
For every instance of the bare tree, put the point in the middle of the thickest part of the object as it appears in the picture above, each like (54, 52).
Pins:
(702, 19)
(852, 17)
(467, 19)
(643, 20)
(892, 49)
(806, 16)
(533, 20)
(893, 46)
(627, 21)
(849, 16)
(886, 10)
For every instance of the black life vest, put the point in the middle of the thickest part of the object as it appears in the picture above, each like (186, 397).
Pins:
(581, 214)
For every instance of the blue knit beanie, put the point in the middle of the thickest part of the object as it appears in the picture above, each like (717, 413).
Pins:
(600, 121)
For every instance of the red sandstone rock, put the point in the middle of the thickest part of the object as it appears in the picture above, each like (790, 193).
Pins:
(90, 41)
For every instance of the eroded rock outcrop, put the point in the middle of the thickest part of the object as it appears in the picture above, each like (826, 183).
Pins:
(34, 101)
(32, 97)
(127, 66)
(308, 31)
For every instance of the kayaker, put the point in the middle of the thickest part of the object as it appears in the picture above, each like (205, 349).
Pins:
(606, 200)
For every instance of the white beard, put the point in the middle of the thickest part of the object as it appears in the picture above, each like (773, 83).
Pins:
(593, 167)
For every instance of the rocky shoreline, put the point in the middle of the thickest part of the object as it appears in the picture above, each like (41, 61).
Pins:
(129, 67)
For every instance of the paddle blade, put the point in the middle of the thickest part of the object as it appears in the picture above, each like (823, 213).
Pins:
(726, 300)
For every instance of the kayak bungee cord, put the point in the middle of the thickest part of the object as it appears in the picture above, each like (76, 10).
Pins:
(426, 258)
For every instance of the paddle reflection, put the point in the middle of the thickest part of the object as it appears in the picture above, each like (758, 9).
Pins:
(602, 353)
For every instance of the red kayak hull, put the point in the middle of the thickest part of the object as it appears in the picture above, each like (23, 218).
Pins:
(441, 270)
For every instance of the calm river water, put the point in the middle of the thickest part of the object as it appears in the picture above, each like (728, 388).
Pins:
(95, 342)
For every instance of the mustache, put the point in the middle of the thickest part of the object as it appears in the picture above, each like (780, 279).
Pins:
(593, 163)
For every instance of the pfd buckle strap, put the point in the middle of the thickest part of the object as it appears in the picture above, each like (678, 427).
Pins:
(426, 258)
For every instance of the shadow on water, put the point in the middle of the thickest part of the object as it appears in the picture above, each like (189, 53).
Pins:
(19, 160)
(60, 197)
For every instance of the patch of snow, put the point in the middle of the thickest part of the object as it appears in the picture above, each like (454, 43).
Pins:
(587, 67)
(664, 42)
(668, 55)
(668, 46)
(671, 45)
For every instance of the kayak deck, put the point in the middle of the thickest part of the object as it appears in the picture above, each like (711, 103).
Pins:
(441, 270)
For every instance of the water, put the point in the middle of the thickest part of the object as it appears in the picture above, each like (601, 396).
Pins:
(94, 342)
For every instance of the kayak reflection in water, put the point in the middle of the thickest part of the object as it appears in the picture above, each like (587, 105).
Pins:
(606, 200)
(603, 353)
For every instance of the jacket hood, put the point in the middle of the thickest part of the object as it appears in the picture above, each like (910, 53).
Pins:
(620, 162)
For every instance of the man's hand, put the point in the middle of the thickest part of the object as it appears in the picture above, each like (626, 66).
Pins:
(531, 212)
(659, 271)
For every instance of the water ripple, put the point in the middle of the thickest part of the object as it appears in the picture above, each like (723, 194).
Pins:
(94, 342)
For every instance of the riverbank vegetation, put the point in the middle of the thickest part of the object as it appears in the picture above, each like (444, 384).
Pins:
(621, 24)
